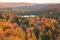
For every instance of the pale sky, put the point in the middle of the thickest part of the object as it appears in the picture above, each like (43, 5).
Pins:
(33, 1)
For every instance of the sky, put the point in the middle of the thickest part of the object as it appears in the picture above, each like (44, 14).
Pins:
(32, 1)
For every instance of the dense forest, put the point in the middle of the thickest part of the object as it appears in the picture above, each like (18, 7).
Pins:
(44, 26)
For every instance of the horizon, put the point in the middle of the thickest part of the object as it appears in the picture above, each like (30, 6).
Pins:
(13, 4)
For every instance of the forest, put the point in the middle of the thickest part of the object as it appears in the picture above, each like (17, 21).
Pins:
(44, 26)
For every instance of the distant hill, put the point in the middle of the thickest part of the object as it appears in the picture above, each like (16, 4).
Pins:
(28, 5)
(12, 5)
